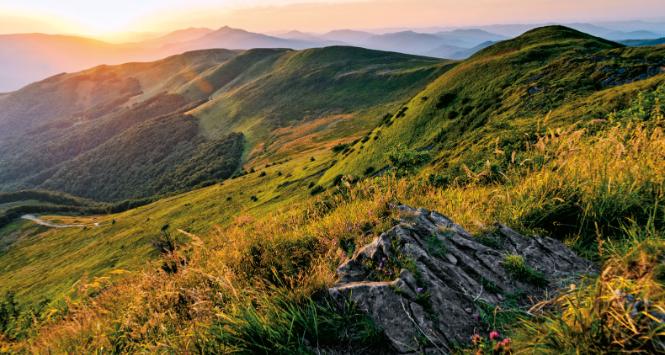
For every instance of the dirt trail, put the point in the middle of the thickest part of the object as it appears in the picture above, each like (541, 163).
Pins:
(44, 223)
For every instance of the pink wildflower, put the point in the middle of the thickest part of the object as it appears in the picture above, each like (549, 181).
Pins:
(494, 335)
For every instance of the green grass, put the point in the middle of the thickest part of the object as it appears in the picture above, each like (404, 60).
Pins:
(248, 286)
(47, 264)
(148, 126)
(495, 100)
(260, 250)
(518, 269)
(279, 325)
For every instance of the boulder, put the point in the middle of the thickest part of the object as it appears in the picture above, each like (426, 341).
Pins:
(424, 280)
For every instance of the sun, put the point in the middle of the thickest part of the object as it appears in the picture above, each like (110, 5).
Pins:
(91, 18)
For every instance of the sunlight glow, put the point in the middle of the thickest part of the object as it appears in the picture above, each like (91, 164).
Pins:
(113, 18)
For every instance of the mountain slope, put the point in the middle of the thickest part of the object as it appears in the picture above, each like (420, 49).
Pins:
(408, 42)
(25, 58)
(119, 132)
(469, 38)
(314, 83)
(560, 134)
(519, 80)
(231, 38)
(179, 36)
(348, 36)
(644, 42)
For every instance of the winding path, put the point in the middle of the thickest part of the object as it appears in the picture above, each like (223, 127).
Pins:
(44, 223)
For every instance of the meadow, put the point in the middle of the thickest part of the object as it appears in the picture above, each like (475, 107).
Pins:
(243, 265)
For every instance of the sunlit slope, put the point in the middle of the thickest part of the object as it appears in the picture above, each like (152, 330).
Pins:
(460, 116)
(313, 83)
(118, 132)
(281, 169)
(46, 127)
(41, 263)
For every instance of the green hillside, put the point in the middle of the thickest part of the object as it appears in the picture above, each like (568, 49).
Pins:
(493, 99)
(131, 131)
(315, 83)
(295, 160)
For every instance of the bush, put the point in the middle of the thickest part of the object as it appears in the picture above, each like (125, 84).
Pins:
(165, 243)
(317, 190)
(407, 161)
(339, 147)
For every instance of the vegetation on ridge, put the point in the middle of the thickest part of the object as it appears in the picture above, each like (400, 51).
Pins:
(587, 167)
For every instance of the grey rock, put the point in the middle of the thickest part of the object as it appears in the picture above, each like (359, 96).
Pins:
(422, 280)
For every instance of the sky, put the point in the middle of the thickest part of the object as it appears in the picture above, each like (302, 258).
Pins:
(102, 18)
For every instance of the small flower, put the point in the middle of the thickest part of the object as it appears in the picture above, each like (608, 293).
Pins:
(476, 339)
(419, 290)
(494, 335)
(506, 342)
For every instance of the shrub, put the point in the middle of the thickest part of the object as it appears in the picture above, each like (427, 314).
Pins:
(317, 190)
(445, 100)
(166, 242)
(339, 147)
(406, 161)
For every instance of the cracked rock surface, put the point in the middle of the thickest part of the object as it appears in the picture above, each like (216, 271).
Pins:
(423, 280)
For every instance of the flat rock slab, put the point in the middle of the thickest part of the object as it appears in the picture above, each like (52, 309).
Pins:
(422, 281)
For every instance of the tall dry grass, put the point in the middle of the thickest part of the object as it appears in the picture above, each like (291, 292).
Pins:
(259, 283)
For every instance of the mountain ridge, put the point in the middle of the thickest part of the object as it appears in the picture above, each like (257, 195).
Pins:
(57, 132)
(556, 133)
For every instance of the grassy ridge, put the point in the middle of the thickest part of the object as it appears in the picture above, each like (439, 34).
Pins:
(577, 159)
(493, 99)
(254, 278)
(317, 82)
(162, 118)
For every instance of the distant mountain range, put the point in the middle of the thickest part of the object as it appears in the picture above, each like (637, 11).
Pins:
(644, 42)
(25, 58)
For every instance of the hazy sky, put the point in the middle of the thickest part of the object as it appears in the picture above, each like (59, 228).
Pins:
(102, 17)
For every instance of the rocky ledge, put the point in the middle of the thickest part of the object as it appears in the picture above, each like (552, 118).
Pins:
(425, 280)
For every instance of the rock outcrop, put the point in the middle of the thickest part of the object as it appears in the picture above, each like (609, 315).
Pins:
(424, 280)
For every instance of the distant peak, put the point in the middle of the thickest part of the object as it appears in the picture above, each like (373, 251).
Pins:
(228, 29)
